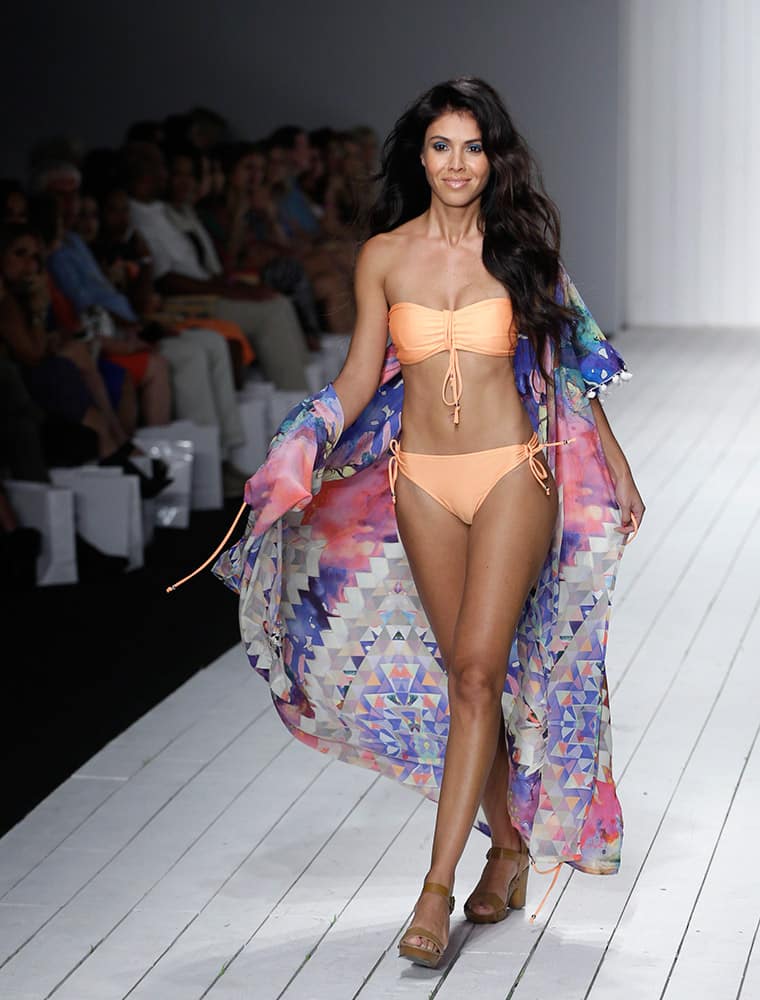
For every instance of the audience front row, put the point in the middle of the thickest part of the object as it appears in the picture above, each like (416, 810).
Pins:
(140, 285)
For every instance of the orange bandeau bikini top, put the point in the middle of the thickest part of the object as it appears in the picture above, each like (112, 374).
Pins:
(483, 327)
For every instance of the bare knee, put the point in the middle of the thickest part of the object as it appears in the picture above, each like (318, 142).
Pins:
(476, 682)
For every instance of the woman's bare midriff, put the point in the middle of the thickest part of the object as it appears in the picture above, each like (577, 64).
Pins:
(491, 414)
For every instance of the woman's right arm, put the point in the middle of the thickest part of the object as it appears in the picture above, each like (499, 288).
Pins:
(360, 375)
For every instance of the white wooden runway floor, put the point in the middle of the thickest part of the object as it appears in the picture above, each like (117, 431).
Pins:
(204, 853)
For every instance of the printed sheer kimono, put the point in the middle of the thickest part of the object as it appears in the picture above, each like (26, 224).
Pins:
(330, 617)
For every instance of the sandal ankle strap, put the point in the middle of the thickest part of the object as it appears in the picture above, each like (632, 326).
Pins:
(497, 853)
(437, 888)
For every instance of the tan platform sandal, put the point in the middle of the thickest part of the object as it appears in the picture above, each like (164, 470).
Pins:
(429, 957)
(516, 890)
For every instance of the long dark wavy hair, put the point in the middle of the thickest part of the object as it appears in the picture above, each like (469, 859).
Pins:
(519, 222)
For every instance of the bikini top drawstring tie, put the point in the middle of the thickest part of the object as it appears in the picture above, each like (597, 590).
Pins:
(453, 378)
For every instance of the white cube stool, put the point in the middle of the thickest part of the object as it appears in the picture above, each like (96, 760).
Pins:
(207, 493)
(171, 508)
(107, 509)
(49, 509)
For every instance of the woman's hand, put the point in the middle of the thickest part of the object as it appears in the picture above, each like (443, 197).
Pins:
(629, 500)
(627, 495)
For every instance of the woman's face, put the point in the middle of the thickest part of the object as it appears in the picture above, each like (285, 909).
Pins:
(21, 261)
(88, 220)
(456, 167)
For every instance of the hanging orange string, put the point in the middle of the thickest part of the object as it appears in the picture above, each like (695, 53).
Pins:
(546, 894)
(213, 555)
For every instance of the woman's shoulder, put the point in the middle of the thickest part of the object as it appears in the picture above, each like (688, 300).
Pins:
(392, 241)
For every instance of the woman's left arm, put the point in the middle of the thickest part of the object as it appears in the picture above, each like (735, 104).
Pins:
(628, 496)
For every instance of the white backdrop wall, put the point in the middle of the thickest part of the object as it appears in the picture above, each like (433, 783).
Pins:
(90, 68)
(691, 100)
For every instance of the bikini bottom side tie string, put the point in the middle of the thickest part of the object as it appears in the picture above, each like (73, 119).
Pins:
(393, 467)
(531, 450)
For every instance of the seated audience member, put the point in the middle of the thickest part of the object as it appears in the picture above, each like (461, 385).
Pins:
(125, 257)
(23, 456)
(325, 152)
(13, 201)
(369, 145)
(267, 318)
(289, 156)
(235, 236)
(54, 382)
(94, 354)
(203, 389)
(241, 216)
(34, 438)
(329, 261)
(345, 202)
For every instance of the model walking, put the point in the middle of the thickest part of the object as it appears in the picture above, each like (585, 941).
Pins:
(481, 636)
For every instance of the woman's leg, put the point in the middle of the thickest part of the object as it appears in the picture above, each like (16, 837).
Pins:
(219, 371)
(79, 352)
(156, 393)
(509, 539)
(506, 547)
(190, 383)
(498, 871)
(435, 543)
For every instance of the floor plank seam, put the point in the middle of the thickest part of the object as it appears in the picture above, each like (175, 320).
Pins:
(677, 517)
(746, 964)
(661, 610)
(124, 846)
(669, 802)
(190, 846)
(710, 862)
(363, 882)
(104, 802)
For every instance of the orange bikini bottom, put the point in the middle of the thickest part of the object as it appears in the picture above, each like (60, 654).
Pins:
(461, 483)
